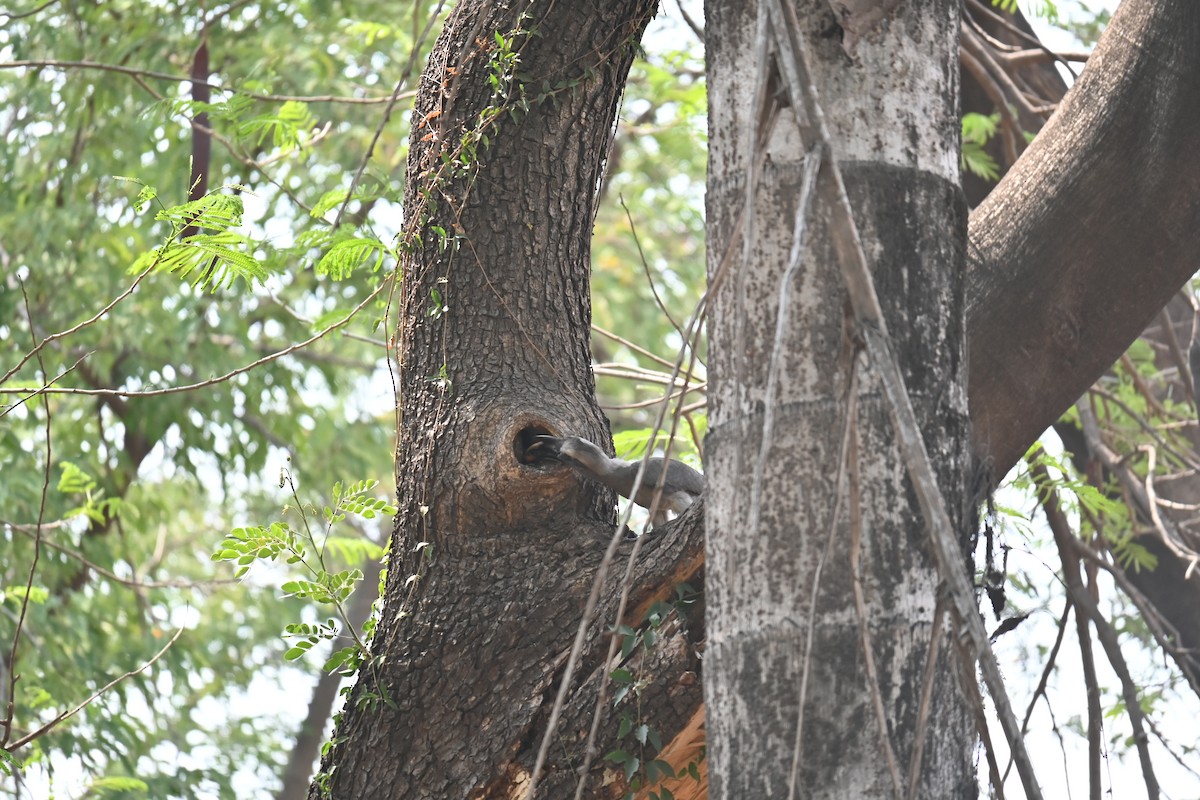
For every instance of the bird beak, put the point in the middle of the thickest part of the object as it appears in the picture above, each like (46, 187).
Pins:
(544, 447)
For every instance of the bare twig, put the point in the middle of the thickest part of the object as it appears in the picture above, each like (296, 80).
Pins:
(646, 268)
(1011, 126)
(1047, 669)
(691, 23)
(635, 348)
(164, 76)
(1183, 458)
(54, 337)
(10, 701)
(26, 739)
(1065, 538)
(1164, 633)
(387, 112)
(931, 659)
(1020, 58)
(191, 387)
(1133, 487)
(31, 531)
(11, 15)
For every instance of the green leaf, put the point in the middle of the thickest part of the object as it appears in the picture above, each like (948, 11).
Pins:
(625, 725)
(217, 212)
(296, 651)
(347, 255)
(340, 658)
(112, 785)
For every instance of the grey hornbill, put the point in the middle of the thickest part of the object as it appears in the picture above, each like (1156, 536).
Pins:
(682, 485)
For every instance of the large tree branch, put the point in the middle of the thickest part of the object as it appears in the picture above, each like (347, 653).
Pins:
(1090, 233)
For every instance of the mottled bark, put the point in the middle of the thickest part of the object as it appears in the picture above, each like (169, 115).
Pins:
(893, 115)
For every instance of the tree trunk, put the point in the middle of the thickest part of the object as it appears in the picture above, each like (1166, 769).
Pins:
(1080, 246)
(492, 557)
(892, 109)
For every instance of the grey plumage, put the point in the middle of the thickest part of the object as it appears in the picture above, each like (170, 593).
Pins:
(681, 487)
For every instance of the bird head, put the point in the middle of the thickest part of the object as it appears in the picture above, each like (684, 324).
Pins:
(574, 451)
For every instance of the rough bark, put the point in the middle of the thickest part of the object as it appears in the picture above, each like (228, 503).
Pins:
(893, 115)
(1090, 233)
(493, 347)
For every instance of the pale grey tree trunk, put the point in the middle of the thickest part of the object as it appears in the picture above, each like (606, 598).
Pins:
(892, 110)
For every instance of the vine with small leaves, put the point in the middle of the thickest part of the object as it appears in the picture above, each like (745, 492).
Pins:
(318, 584)
(639, 743)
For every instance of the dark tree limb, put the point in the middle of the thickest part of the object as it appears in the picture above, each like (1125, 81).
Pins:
(1090, 233)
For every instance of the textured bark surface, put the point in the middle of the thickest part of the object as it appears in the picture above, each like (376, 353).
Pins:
(493, 347)
(893, 116)
(1090, 233)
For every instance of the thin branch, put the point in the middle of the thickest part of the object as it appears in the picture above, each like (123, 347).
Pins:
(11, 15)
(1015, 94)
(54, 337)
(635, 348)
(163, 76)
(1064, 537)
(1021, 58)
(1183, 458)
(1132, 485)
(1008, 25)
(24, 740)
(78, 363)
(32, 532)
(1140, 384)
(1165, 634)
(346, 334)
(931, 659)
(1047, 669)
(646, 268)
(211, 381)
(10, 701)
(387, 112)
(970, 685)
(691, 23)
(992, 90)
(1162, 739)
(1095, 716)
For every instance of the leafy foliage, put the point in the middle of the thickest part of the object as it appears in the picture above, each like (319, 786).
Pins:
(977, 131)
(99, 173)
